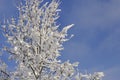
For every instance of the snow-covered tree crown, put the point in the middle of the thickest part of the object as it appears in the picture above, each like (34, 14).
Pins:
(36, 43)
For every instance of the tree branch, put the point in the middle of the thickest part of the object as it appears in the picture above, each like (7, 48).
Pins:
(33, 72)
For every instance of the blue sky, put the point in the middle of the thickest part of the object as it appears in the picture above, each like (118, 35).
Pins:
(96, 44)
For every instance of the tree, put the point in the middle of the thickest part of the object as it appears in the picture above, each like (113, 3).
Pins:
(36, 43)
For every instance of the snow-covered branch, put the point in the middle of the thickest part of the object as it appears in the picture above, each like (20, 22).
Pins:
(36, 43)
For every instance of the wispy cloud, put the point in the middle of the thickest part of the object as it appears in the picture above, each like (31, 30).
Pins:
(112, 74)
(95, 13)
(97, 34)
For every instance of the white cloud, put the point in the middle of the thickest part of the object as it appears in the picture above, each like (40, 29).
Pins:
(111, 44)
(112, 74)
(95, 13)
(97, 24)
